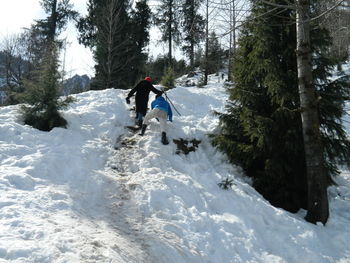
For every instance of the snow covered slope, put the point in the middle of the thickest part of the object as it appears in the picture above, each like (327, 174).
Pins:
(95, 192)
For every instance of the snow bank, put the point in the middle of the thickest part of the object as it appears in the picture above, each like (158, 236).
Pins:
(96, 192)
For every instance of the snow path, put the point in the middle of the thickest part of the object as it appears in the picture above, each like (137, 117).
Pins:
(142, 163)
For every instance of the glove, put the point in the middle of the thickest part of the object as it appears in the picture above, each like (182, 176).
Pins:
(127, 100)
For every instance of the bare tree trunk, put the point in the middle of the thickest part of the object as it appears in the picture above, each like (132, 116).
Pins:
(192, 40)
(318, 209)
(192, 56)
(206, 44)
(234, 20)
(53, 22)
(170, 33)
(111, 21)
(232, 45)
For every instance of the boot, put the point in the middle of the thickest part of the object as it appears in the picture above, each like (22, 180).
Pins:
(143, 129)
(164, 139)
(139, 123)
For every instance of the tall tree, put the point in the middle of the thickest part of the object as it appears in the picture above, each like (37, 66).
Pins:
(61, 11)
(232, 32)
(140, 24)
(193, 28)
(43, 96)
(117, 37)
(206, 50)
(167, 17)
(215, 54)
(314, 154)
(113, 42)
(263, 130)
(43, 88)
(43, 33)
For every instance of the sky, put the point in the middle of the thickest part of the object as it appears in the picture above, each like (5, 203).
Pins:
(96, 192)
(77, 59)
(18, 14)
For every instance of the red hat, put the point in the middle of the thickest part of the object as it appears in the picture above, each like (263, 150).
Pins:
(148, 79)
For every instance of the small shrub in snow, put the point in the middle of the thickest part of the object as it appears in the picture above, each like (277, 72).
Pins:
(186, 146)
(168, 80)
(226, 183)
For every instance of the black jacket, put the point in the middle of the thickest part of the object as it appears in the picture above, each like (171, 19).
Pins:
(142, 89)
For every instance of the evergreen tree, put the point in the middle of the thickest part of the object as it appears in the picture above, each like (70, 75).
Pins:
(34, 44)
(113, 41)
(193, 28)
(27, 50)
(60, 12)
(88, 25)
(261, 130)
(43, 96)
(168, 80)
(117, 36)
(215, 54)
(158, 68)
(167, 18)
(43, 88)
(198, 57)
(140, 24)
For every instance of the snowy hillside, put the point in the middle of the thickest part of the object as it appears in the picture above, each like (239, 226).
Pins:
(96, 192)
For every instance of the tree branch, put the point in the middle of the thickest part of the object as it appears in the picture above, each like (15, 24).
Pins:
(291, 6)
(328, 10)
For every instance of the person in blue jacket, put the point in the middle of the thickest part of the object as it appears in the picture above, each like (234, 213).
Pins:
(161, 110)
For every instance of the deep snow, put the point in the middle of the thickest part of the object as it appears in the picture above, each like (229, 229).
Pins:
(95, 192)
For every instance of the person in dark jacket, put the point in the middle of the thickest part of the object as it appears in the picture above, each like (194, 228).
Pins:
(161, 110)
(142, 90)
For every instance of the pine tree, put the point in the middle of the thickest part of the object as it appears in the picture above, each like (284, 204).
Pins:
(261, 130)
(167, 18)
(42, 88)
(140, 26)
(113, 40)
(193, 28)
(60, 12)
(215, 53)
(117, 37)
(168, 80)
(156, 68)
(43, 96)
